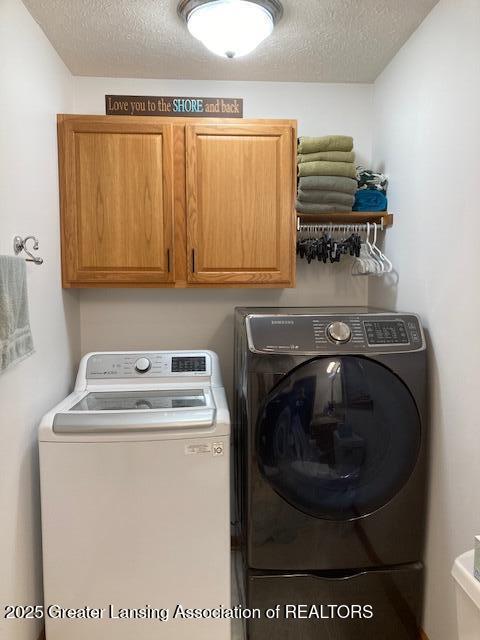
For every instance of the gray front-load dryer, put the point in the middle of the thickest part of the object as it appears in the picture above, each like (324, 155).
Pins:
(330, 432)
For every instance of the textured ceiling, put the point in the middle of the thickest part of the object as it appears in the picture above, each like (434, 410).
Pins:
(317, 40)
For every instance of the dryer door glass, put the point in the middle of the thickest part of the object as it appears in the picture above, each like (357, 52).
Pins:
(338, 437)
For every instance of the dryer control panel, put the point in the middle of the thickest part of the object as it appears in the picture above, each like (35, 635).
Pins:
(307, 334)
(148, 365)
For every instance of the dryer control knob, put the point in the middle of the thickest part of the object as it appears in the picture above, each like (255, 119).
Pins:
(142, 365)
(339, 332)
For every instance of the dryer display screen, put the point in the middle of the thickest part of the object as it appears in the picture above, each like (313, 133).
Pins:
(386, 332)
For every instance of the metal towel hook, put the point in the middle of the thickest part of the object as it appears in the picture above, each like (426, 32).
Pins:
(20, 244)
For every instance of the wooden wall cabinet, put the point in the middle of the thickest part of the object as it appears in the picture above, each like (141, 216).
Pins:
(169, 202)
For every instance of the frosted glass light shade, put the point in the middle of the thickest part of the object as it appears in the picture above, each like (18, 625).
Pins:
(230, 28)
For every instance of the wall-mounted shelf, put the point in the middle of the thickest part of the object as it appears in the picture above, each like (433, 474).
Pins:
(349, 217)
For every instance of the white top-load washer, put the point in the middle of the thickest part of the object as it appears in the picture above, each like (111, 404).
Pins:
(134, 468)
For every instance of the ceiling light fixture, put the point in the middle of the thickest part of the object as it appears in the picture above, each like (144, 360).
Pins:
(230, 28)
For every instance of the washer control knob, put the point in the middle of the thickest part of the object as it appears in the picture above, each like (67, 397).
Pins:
(142, 365)
(339, 332)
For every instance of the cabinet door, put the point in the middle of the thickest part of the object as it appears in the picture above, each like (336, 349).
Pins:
(240, 212)
(117, 201)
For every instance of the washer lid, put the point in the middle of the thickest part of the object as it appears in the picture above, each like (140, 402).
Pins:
(133, 410)
(138, 400)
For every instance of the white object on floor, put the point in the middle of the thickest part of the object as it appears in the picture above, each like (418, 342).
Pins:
(468, 597)
(16, 341)
(135, 495)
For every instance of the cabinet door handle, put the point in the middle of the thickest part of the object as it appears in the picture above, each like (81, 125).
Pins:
(168, 260)
(193, 260)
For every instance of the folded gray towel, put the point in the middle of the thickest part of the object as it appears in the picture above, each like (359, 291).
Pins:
(308, 207)
(15, 335)
(326, 197)
(328, 183)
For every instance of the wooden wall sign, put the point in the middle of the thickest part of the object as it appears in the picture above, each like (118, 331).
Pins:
(174, 106)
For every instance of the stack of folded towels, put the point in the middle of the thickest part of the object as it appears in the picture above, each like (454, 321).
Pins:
(372, 191)
(327, 178)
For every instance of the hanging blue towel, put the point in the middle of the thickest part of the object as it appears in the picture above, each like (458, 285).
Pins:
(370, 200)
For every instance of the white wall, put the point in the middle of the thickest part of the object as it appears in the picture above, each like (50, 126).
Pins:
(34, 86)
(320, 109)
(427, 136)
(135, 319)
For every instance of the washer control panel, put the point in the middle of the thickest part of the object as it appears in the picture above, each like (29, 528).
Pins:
(148, 365)
(362, 333)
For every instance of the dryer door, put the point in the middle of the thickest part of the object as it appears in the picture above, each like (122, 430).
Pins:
(338, 437)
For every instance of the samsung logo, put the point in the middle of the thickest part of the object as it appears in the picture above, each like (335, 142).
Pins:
(283, 322)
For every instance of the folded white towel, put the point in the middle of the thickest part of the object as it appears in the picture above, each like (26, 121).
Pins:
(15, 336)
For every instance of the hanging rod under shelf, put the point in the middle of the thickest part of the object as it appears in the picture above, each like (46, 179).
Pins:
(337, 227)
(349, 217)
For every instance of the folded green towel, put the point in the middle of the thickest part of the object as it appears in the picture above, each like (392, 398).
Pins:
(306, 207)
(328, 183)
(321, 168)
(329, 156)
(16, 342)
(326, 143)
(326, 197)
